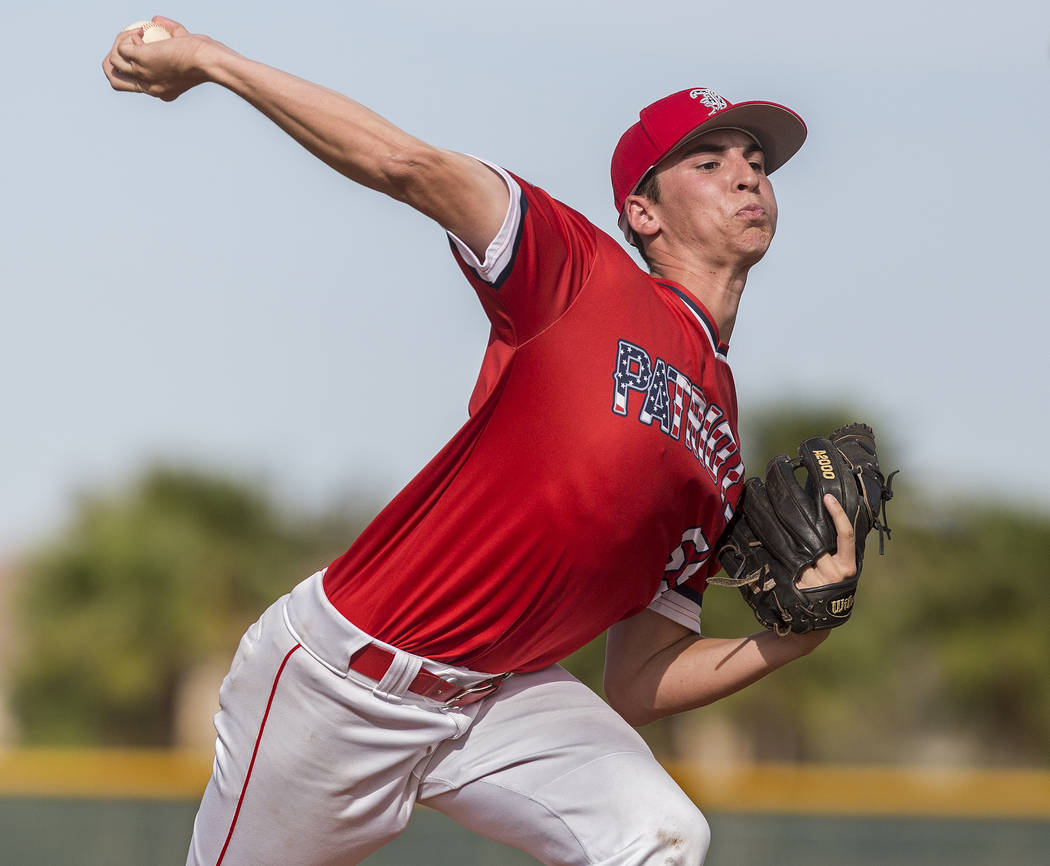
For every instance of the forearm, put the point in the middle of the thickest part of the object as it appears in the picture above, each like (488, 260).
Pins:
(696, 671)
(346, 135)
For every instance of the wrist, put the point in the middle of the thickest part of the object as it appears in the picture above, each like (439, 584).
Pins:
(806, 643)
(212, 60)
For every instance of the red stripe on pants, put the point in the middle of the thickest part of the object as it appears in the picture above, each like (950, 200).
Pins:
(255, 751)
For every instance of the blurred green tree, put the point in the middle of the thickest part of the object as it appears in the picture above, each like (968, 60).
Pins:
(142, 586)
(981, 606)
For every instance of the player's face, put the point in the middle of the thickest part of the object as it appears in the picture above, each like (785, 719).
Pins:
(715, 198)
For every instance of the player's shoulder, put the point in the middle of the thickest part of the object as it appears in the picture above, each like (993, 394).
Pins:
(549, 206)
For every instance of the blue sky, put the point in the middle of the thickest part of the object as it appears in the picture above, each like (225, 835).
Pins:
(180, 281)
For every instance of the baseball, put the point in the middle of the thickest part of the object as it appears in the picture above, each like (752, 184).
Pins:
(150, 32)
(154, 33)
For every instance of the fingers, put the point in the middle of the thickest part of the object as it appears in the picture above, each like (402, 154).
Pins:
(124, 55)
(117, 65)
(842, 564)
(843, 525)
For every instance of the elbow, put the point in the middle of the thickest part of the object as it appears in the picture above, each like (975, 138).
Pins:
(638, 717)
(639, 703)
(633, 706)
(407, 170)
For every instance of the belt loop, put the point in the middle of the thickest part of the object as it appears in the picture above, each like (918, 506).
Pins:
(399, 675)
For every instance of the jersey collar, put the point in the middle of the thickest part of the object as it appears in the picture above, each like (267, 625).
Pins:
(700, 313)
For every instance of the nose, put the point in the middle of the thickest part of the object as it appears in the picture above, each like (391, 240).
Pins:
(747, 177)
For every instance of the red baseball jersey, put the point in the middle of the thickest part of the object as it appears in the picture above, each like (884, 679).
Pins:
(599, 464)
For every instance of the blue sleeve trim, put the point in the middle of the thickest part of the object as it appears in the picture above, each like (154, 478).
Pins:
(524, 205)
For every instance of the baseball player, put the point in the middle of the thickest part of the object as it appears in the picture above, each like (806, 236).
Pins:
(599, 465)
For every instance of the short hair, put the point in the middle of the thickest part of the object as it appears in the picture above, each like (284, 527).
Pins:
(648, 187)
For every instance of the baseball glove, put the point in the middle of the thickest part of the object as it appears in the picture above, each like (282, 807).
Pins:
(781, 527)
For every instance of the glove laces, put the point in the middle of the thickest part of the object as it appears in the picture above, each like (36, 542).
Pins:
(879, 520)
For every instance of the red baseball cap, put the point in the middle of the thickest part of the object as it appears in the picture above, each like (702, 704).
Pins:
(671, 121)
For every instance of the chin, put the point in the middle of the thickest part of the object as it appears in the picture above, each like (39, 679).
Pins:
(754, 251)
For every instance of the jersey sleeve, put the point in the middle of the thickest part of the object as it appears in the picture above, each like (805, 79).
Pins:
(535, 266)
(681, 604)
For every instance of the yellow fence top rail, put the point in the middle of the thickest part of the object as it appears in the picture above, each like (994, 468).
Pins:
(856, 790)
(868, 790)
(113, 773)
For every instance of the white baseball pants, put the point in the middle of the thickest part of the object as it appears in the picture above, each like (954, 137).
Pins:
(316, 765)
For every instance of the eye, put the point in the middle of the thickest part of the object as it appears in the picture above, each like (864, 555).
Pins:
(757, 166)
(708, 166)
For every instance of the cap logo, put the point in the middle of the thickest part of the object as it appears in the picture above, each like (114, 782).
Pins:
(708, 98)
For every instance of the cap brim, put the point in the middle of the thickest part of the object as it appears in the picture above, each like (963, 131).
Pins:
(777, 129)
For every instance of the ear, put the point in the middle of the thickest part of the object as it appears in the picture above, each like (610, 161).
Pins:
(642, 215)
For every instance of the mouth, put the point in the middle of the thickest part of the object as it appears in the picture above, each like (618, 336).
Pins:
(752, 212)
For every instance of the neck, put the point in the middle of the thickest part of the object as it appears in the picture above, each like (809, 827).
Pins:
(718, 288)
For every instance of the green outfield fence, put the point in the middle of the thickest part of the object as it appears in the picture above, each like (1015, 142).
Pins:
(135, 808)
